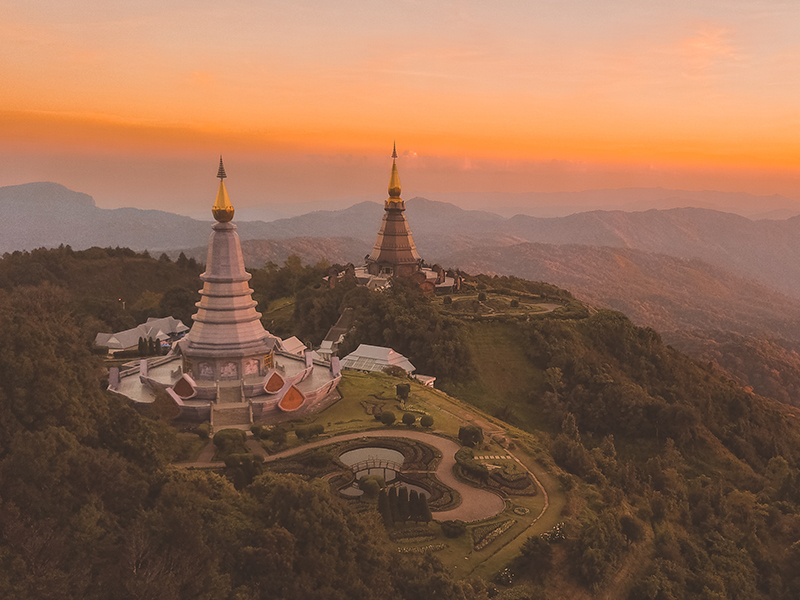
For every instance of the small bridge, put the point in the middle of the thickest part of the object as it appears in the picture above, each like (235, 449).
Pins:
(375, 463)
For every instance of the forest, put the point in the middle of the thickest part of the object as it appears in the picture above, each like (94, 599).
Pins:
(90, 507)
(674, 474)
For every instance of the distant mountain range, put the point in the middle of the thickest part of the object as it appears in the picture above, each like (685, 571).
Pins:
(561, 204)
(768, 251)
(656, 290)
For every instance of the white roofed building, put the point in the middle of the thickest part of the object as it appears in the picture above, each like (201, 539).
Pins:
(293, 345)
(376, 358)
(165, 329)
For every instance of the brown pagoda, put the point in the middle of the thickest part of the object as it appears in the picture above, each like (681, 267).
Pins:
(394, 252)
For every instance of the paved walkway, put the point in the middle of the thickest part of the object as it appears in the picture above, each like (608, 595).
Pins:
(476, 503)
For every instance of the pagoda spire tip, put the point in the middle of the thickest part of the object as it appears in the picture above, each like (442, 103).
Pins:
(394, 180)
(223, 209)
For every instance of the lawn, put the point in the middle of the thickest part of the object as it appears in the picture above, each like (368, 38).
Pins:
(364, 391)
(378, 390)
(279, 316)
(503, 376)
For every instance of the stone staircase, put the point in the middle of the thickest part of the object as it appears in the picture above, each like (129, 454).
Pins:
(229, 394)
(235, 415)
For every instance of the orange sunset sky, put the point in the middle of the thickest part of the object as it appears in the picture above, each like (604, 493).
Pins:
(132, 102)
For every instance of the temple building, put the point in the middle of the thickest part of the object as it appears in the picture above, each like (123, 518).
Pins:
(228, 368)
(395, 253)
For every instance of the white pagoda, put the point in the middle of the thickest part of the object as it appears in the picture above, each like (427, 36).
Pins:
(228, 368)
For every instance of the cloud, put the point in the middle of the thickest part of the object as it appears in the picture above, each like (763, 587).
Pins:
(707, 48)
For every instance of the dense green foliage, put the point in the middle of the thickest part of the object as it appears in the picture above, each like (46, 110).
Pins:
(770, 367)
(405, 320)
(670, 455)
(110, 289)
(89, 508)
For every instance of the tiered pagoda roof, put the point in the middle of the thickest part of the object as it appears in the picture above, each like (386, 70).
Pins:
(394, 252)
(226, 323)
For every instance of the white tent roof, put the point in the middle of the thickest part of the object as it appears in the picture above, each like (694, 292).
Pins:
(375, 358)
(158, 329)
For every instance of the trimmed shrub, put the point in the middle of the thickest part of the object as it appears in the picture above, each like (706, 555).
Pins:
(470, 435)
(203, 430)
(409, 419)
(395, 371)
(304, 432)
(453, 529)
(447, 300)
(482, 297)
(369, 486)
(276, 435)
(229, 436)
(230, 441)
(403, 390)
(465, 460)
(426, 421)
(387, 417)
(515, 303)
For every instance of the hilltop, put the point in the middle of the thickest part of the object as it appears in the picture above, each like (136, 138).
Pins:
(676, 481)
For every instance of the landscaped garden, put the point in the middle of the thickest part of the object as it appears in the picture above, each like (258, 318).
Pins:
(483, 547)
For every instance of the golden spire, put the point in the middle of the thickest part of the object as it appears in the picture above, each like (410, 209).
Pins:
(394, 180)
(223, 209)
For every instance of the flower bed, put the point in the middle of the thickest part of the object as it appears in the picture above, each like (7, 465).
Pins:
(405, 534)
(422, 549)
(483, 535)
(556, 534)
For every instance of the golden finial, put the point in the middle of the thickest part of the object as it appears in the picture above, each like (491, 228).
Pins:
(394, 180)
(223, 209)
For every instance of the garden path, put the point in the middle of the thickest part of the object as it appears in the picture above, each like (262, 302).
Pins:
(475, 504)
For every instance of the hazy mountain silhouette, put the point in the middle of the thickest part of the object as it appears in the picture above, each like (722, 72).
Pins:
(768, 251)
(561, 204)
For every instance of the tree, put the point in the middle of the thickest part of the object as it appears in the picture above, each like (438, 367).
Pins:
(409, 419)
(424, 509)
(394, 514)
(387, 417)
(413, 505)
(553, 376)
(470, 435)
(370, 487)
(538, 553)
(142, 347)
(383, 507)
(403, 508)
(631, 528)
(482, 297)
(426, 421)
